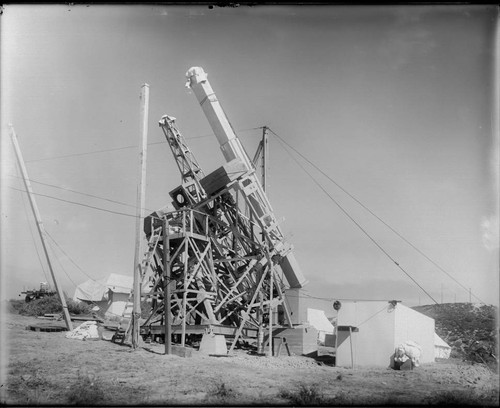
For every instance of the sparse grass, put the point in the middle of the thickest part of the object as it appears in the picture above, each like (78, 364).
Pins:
(48, 304)
(310, 395)
(471, 330)
(88, 391)
(32, 384)
(465, 398)
(305, 395)
(222, 392)
(14, 305)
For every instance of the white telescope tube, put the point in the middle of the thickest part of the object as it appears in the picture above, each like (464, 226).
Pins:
(232, 149)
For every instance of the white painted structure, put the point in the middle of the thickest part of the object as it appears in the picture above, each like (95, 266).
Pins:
(382, 326)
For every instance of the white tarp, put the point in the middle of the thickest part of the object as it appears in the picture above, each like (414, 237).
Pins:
(441, 348)
(120, 283)
(110, 294)
(408, 350)
(90, 290)
(320, 322)
(87, 330)
(98, 290)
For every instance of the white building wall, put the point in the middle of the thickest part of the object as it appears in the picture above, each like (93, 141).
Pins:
(381, 328)
(417, 327)
(295, 303)
(373, 345)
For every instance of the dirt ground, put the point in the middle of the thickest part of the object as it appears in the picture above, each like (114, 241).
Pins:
(46, 368)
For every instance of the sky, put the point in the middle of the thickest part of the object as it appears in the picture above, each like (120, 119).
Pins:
(398, 105)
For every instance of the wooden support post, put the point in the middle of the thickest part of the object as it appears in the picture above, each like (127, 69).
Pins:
(166, 290)
(260, 332)
(185, 286)
(265, 152)
(337, 340)
(283, 342)
(350, 340)
(141, 192)
(39, 224)
(271, 282)
(246, 316)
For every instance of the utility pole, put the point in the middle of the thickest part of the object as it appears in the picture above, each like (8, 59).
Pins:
(166, 290)
(265, 153)
(262, 149)
(262, 152)
(141, 196)
(39, 224)
(271, 297)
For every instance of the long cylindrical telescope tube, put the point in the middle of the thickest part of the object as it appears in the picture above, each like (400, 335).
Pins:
(232, 149)
(230, 144)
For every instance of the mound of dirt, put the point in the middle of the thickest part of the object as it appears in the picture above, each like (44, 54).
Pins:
(470, 329)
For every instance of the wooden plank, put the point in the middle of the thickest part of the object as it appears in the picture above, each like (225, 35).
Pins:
(199, 329)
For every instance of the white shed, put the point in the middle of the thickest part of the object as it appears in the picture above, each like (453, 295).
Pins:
(369, 332)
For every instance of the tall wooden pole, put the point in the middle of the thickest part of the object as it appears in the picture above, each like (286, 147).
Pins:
(271, 286)
(166, 290)
(263, 150)
(40, 226)
(141, 197)
(265, 153)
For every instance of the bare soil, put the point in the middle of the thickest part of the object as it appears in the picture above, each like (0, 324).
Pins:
(45, 368)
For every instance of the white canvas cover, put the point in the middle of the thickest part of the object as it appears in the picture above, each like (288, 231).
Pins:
(320, 322)
(441, 348)
(110, 294)
(120, 283)
(90, 290)
(97, 290)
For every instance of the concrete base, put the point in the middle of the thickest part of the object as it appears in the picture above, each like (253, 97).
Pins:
(213, 344)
